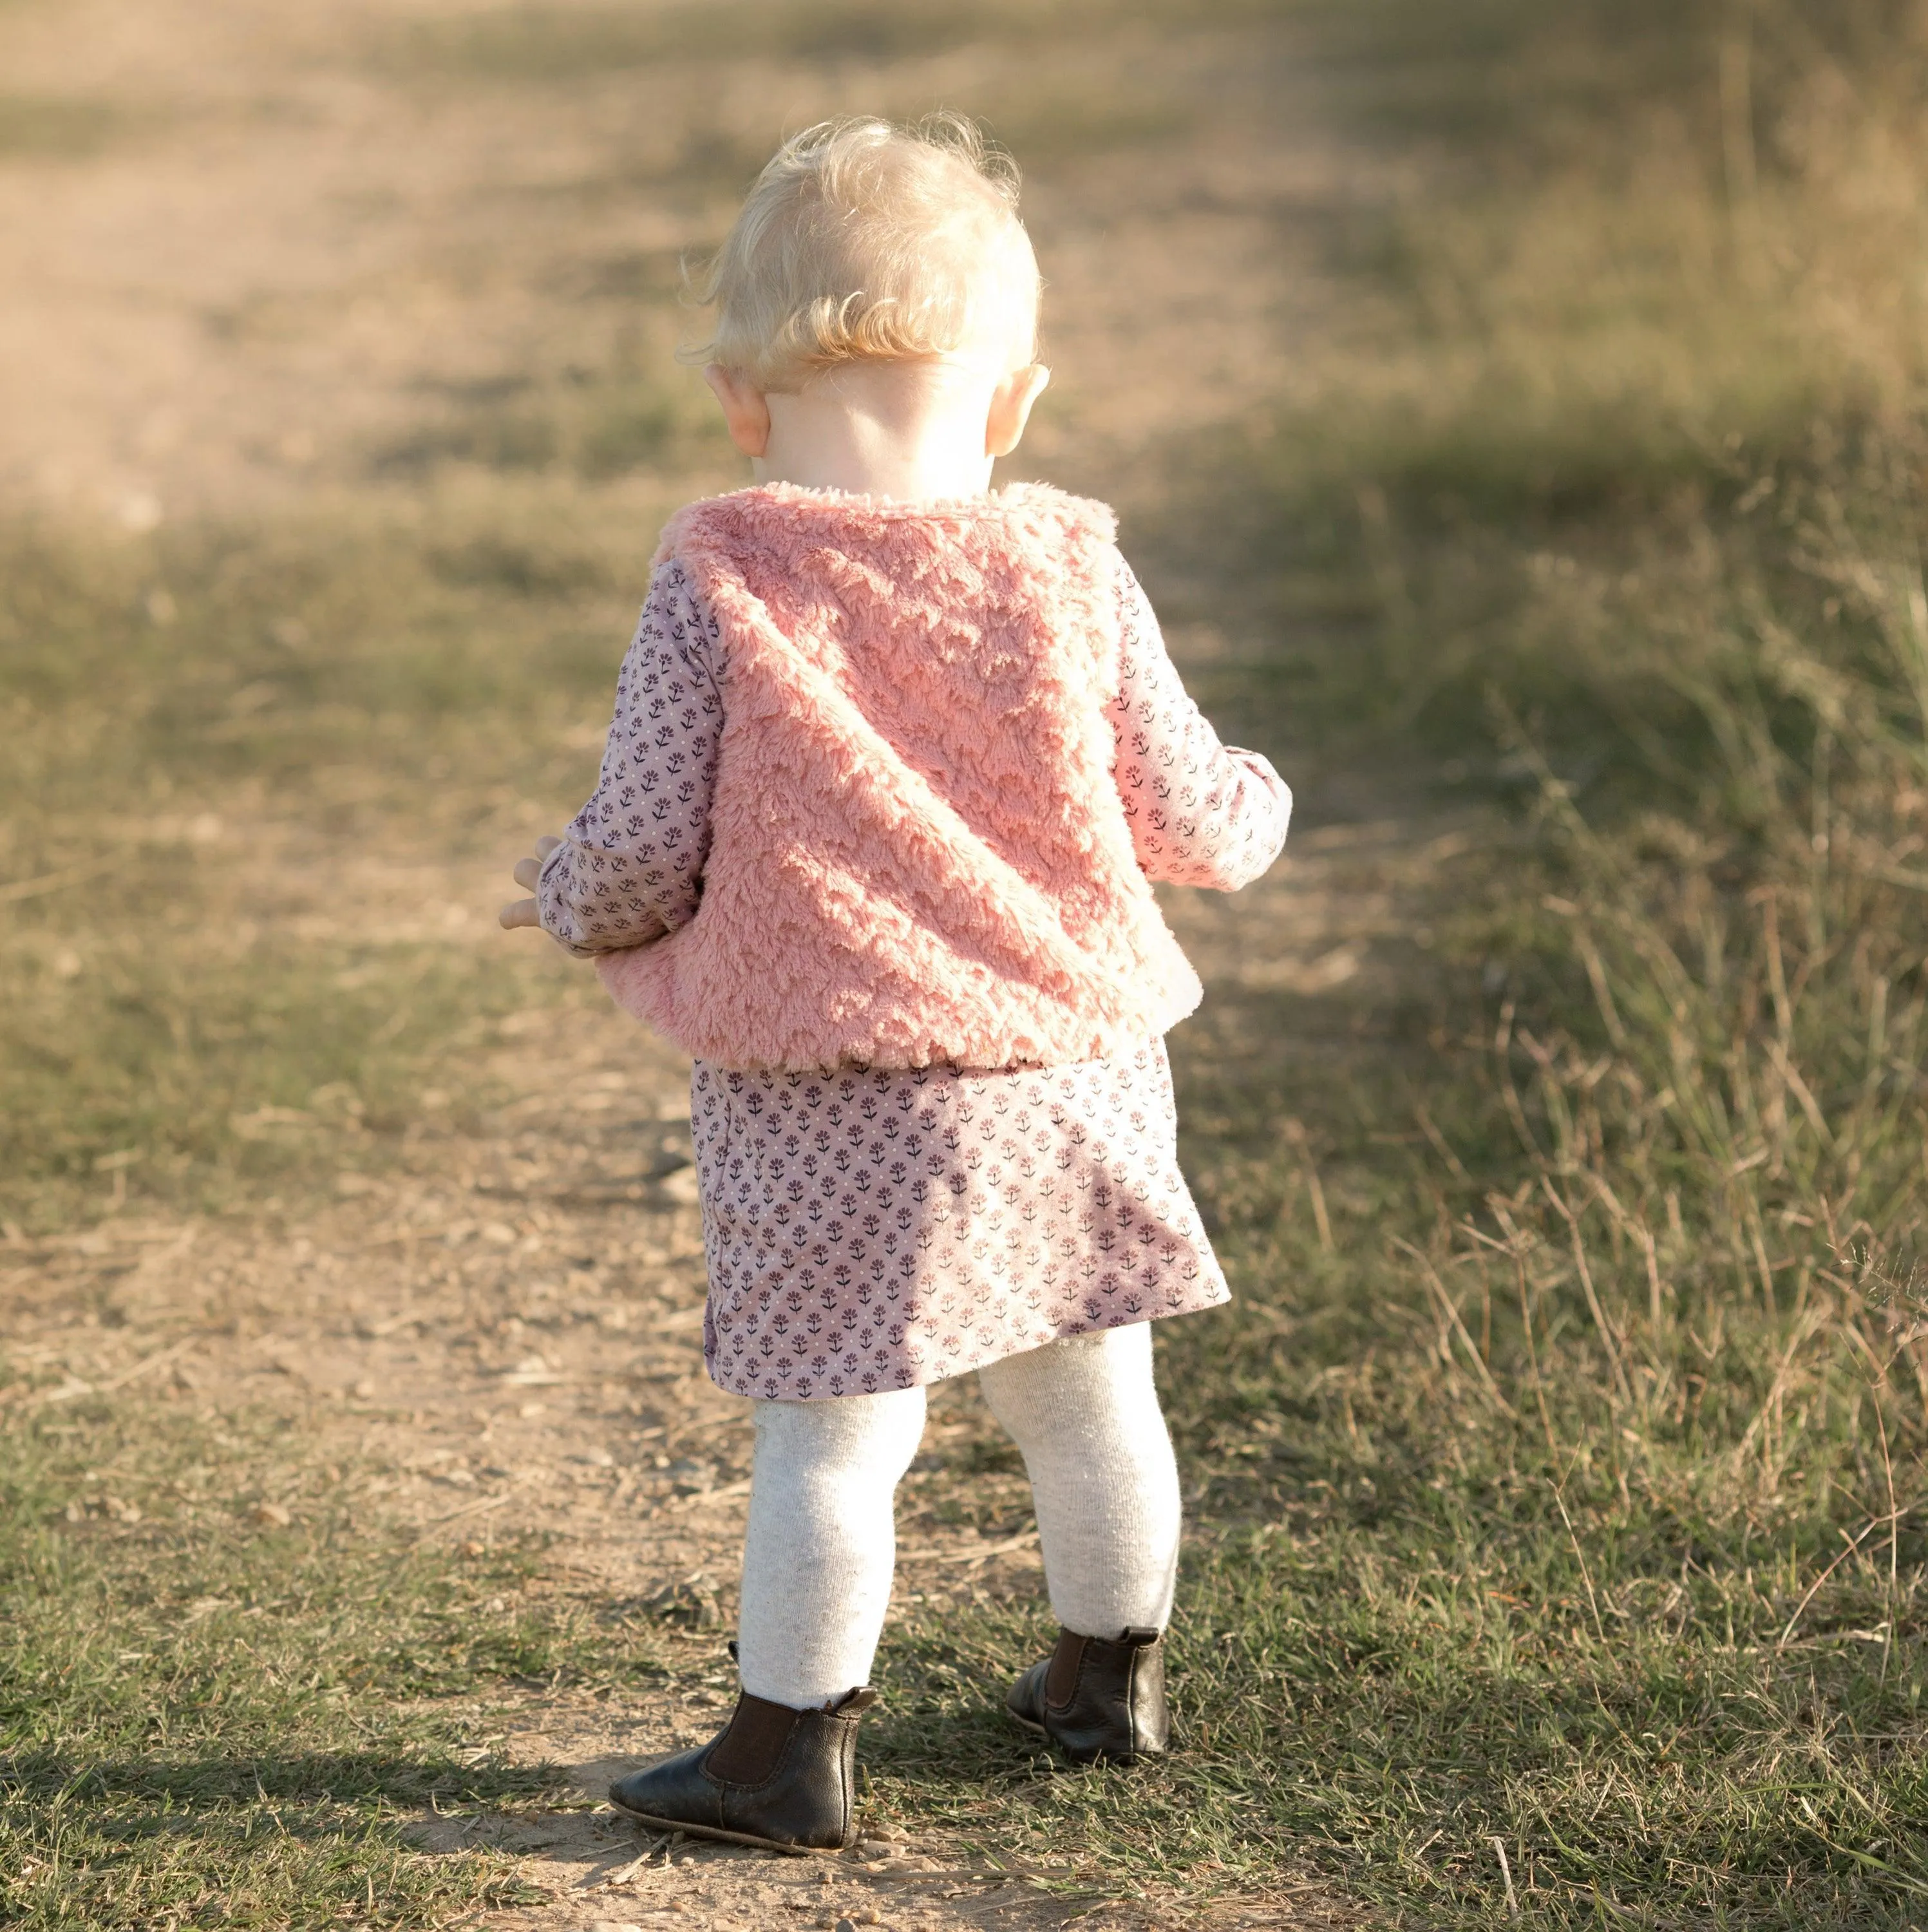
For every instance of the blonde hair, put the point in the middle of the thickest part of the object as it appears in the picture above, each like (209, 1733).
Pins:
(863, 240)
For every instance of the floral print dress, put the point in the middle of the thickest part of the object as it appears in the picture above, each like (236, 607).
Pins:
(868, 1229)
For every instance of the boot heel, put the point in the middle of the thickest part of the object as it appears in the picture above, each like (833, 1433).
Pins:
(1098, 1699)
(781, 1779)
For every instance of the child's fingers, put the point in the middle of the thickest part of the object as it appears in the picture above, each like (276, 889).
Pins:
(519, 912)
(527, 871)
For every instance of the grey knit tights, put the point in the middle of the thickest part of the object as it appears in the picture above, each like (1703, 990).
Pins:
(821, 1545)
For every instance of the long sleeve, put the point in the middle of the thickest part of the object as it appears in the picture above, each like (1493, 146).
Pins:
(1201, 813)
(630, 867)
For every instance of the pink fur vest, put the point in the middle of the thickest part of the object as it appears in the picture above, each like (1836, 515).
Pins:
(918, 852)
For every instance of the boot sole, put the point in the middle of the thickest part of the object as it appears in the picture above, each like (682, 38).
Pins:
(716, 1831)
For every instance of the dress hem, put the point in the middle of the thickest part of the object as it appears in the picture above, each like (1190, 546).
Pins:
(970, 1365)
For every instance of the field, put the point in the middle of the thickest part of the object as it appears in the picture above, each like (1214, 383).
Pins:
(1519, 414)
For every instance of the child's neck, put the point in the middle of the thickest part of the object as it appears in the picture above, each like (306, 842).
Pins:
(909, 430)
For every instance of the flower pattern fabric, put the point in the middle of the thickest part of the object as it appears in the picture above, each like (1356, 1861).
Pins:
(867, 1229)
(871, 1230)
(629, 865)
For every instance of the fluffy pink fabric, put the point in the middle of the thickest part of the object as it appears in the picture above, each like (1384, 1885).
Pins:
(918, 853)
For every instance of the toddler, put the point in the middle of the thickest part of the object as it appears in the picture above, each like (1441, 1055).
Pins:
(895, 758)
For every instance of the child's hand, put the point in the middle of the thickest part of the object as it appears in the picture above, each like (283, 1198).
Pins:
(525, 912)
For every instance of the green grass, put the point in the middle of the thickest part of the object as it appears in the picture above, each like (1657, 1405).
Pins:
(594, 425)
(376, 692)
(212, 1719)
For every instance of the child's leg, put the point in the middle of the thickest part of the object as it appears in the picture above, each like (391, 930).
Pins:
(822, 1541)
(1085, 1414)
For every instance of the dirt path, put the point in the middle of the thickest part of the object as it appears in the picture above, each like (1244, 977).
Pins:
(259, 249)
(252, 249)
(501, 1336)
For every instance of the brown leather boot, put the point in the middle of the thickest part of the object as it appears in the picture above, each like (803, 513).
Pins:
(780, 1778)
(1098, 1697)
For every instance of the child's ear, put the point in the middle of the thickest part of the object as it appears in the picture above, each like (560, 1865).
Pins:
(1011, 408)
(745, 408)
